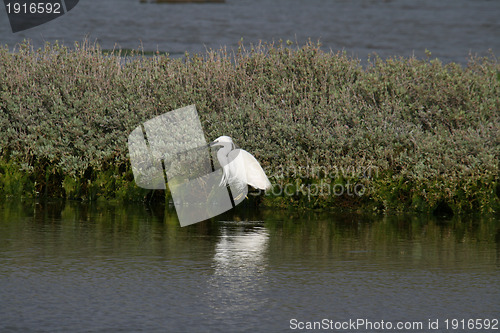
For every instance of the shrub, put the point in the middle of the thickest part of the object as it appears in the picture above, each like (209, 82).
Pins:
(430, 130)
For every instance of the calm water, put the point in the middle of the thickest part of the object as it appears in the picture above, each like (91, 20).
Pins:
(450, 29)
(104, 268)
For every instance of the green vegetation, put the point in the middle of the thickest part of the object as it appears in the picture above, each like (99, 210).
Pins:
(414, 134)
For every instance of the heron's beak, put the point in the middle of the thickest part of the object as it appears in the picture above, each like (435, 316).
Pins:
(214, 143)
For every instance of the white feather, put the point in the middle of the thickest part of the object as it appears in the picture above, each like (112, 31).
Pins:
(240, 168)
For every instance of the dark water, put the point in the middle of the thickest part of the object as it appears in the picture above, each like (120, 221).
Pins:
(450, 29)
(104, 268)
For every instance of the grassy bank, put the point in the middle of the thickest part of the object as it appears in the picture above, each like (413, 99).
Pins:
(414, 134)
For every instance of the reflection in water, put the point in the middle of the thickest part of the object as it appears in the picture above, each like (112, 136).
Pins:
(101, 267)
(239, 268)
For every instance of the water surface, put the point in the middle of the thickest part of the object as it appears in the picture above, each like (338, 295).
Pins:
(450, 29)
(101, 268)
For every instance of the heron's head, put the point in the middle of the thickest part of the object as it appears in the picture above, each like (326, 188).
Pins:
(221, 141)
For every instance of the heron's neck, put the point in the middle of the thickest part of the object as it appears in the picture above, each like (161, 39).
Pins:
(223, 152)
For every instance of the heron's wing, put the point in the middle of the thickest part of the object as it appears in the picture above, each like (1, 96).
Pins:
(249, 168)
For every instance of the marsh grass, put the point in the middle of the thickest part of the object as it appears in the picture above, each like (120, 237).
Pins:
(431, 130)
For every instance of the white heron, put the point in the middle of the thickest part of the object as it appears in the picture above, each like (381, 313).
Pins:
(239, 167)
